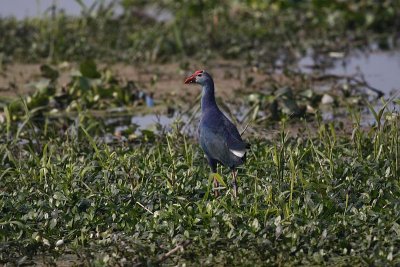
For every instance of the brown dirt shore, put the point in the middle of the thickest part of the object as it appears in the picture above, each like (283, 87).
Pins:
(165, 81)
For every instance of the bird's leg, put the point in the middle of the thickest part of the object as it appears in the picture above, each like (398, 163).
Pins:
(234, 183)
(213, 165)
(216, 185)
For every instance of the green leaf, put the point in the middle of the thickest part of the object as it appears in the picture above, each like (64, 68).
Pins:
(88, 69)
(49, 72)
(219, 179)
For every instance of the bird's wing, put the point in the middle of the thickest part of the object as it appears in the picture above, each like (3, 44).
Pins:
(221, 137)
(213, 143)
(233, 139)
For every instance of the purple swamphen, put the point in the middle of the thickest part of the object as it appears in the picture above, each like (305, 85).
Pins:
(219, 137)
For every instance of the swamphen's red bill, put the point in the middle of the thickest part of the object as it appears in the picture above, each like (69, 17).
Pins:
(192, 78)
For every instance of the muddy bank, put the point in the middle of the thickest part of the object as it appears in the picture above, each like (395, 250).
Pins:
(165, 81)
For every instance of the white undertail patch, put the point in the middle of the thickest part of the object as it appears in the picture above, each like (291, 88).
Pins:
(238, 153)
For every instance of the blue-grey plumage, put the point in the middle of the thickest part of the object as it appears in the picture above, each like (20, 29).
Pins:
(220, 144)
(219, 137)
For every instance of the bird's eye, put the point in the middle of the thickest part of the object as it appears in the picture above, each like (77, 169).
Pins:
(199, 75)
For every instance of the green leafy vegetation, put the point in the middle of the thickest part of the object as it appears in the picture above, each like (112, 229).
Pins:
(87, 88)
(74, 189)
(323, 197)
(251, 30)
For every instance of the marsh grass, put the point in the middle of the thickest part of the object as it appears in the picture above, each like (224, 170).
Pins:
(322, 197)
(255, 30)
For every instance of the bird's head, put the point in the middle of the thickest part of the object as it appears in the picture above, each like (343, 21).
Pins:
(199, 76)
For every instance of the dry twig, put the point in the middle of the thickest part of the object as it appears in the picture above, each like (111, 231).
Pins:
(181, 246)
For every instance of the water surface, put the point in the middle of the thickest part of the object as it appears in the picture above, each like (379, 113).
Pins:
(381, 69)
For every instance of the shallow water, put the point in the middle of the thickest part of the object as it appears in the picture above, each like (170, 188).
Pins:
(21, 9)
(136, 124)
(381, 69)
(151, 120)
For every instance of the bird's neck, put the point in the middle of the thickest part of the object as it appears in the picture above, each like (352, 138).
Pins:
(208, 96)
